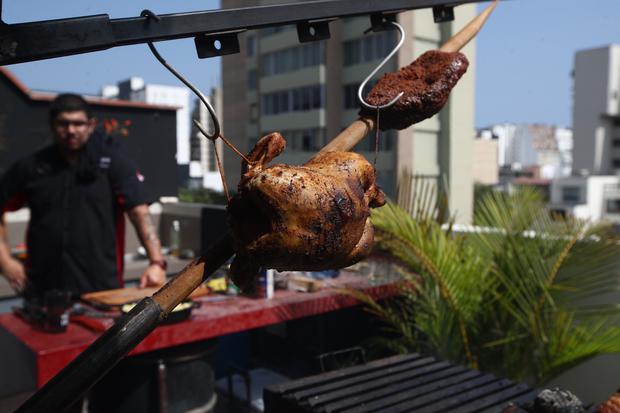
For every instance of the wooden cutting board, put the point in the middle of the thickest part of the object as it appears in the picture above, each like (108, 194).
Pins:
(121, 296)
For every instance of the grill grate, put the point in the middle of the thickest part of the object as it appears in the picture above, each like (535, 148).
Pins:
(404, 383)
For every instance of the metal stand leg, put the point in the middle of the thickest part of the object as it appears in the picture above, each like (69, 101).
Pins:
(162, 390)
(245, 375)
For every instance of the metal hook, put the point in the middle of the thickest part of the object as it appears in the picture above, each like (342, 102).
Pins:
(216, 124)
(393, 101)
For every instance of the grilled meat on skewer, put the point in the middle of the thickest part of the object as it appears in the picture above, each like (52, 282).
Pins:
(312, 217)
(427, 83)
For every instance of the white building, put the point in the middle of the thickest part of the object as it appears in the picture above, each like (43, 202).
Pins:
(592, 198)
(203, 167)
(596, 110)
(485, 166)
(525, 145)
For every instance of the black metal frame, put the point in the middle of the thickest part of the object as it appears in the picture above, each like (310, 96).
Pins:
(31, 41)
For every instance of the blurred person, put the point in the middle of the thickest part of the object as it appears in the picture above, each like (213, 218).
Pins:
(77, 190)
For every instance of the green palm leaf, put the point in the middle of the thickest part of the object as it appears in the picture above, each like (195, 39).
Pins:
(520, 296)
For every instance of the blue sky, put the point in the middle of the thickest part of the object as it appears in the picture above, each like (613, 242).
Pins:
(525, 53)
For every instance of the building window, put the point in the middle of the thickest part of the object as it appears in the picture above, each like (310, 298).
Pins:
(291, 59)
(350, 96)
(250, 42)
(616, 163)
(366, 49)
(253, 112)
(294, 100)
(571, 194)
(616, 143)
(252, 79)
(211, 166)
(386, 142)
(613, 206)
(304, 140)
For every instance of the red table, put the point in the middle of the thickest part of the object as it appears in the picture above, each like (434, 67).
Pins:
(49, 353)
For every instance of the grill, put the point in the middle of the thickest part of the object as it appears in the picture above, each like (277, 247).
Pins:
(406, 383)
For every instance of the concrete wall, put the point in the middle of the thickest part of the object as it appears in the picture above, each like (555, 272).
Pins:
(592, 94)
(485, 169)
(458, 129)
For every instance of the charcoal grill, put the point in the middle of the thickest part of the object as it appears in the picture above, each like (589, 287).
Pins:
(404, 383)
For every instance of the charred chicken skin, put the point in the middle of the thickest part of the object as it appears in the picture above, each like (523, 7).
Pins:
(311, 217)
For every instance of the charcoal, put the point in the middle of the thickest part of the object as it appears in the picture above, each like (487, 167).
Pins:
(557, 401)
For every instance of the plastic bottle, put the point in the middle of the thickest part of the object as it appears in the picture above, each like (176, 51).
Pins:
(265, 283)
(175, 238)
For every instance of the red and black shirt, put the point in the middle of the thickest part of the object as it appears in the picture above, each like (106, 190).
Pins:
(75, 237)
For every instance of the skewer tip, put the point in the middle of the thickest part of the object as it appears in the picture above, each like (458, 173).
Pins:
(464, 36)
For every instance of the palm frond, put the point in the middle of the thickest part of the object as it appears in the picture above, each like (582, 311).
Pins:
(514, 296)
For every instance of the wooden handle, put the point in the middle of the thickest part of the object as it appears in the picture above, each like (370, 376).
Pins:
(197, 271)
(352, 135)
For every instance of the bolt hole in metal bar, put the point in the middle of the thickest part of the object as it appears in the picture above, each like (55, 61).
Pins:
(312, 31)
(62, 37)
(217, 44)
(442, 14)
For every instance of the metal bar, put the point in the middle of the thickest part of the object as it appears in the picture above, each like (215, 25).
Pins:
(31, 41)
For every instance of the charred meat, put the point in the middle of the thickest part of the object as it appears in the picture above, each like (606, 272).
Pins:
(427, 83)
(311, 217)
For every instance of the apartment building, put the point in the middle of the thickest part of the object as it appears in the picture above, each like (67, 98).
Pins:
(485, 168)
(522, 146)
(596, 111)
(593, 198)
(307, 92)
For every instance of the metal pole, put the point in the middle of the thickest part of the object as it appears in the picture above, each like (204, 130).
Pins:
(62, 37)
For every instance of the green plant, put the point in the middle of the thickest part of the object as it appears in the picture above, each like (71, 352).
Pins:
(202, 196)
(514, 297)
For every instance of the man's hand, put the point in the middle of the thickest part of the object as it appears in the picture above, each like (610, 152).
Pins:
(14, 271)
(153, 276)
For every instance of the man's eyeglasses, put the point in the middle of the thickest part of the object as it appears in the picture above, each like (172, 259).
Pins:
(65, 124)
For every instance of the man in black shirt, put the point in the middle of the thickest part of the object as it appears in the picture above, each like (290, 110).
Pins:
(77, 190)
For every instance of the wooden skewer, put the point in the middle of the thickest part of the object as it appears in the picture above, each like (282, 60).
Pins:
(459, 40)
(354, 133)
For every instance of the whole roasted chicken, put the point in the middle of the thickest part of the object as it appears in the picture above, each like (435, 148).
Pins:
(311, 217)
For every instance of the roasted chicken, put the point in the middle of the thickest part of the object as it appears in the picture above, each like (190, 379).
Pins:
(311, 217)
